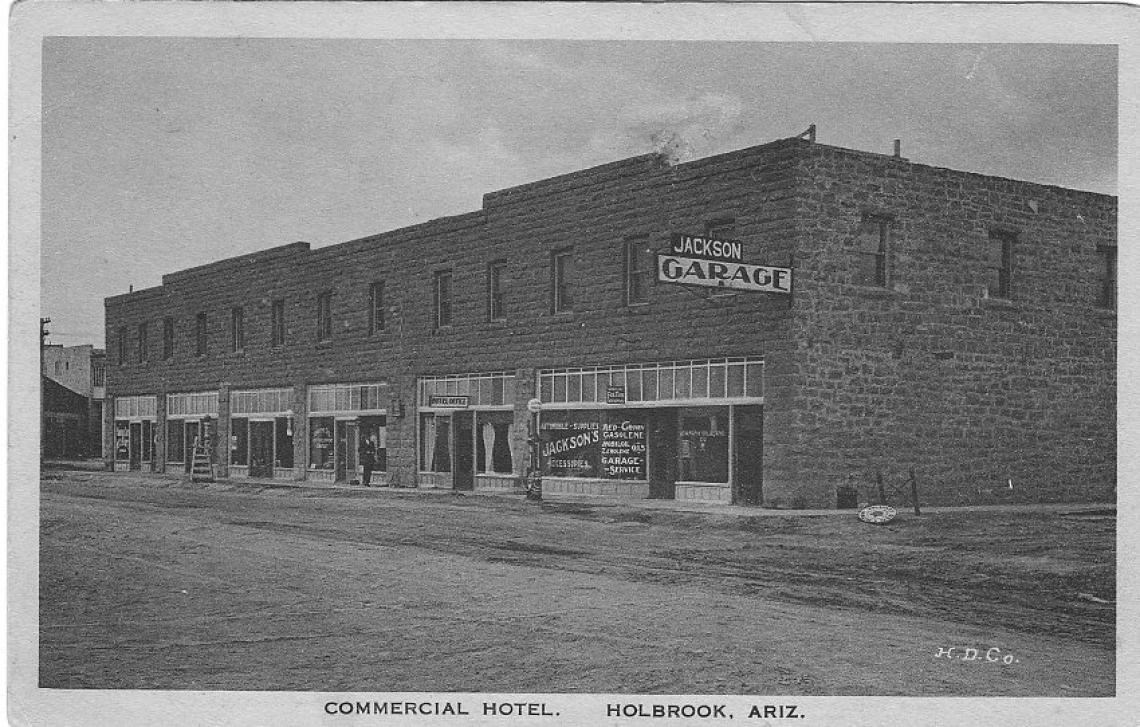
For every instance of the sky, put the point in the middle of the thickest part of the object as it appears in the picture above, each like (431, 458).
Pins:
(160, 154)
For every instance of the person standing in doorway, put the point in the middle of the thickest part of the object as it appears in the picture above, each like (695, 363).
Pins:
(367, 458)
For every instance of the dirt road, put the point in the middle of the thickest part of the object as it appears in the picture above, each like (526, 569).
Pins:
(150, 582)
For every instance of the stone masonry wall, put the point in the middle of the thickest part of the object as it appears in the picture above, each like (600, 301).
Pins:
(927, 373)
(973, 392)
(592, 212)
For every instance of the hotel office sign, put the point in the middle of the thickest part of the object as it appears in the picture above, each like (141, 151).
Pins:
(449, 402)
(710, 263)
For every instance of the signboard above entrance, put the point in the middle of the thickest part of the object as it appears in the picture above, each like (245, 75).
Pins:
(615, 394)
(707, 248)
(449, 402)
(713, 274)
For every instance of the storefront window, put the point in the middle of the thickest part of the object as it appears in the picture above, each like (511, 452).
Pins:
(321, 443)
(284, 443)
(703, 445)
(122, 441)
(239, 442)
(493, 442)
(435, 443)
(594, 444)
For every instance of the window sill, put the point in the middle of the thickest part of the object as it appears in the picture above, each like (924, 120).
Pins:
(1006, 303)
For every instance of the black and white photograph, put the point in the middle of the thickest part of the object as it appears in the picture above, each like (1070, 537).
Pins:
(525, 364)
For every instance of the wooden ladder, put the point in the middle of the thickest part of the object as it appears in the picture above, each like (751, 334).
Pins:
(201, 469)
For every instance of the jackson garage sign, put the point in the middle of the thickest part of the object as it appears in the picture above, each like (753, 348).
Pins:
(710, 263)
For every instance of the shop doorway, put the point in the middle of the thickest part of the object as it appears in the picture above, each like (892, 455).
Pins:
(463, 476)
(261, 449)
(346, 445)
(136, 445)
(662, 465)
(149, 443)
(748, 446)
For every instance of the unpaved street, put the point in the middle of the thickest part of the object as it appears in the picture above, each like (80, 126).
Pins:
(151, 582)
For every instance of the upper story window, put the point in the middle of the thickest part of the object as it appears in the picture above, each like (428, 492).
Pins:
(999, 258)
(200, 339)
(167, 338)
(562, 280)
(1106, 276)
(277, 323)
(375, 308)
(496, 272)
(122, 338)
(142, 342)
(237, 329)
(324, 316)
(98, 373)
(442, 298)
(639, 263)
(873, 249)
(722, 229)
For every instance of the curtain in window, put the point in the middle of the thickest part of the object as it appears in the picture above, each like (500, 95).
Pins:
(429, 441)
(488, 446)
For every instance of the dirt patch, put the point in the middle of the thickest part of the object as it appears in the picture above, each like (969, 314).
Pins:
(153, 582)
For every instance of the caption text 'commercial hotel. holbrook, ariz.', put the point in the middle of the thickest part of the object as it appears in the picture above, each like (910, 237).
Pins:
(860, 315)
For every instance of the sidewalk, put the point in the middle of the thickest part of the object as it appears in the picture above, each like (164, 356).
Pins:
(1089, 508)
(680, 506)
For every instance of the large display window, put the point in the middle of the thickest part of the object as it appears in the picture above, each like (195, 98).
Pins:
(493, 432)
(435, 442)
(594, 444)
(702, 449)
(321, 443)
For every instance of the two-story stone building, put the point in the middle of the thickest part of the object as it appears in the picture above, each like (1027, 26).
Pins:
(959, 324)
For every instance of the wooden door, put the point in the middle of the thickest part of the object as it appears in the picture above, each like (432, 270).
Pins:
(260, 449)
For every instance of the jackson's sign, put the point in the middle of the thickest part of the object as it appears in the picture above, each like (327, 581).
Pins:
(686, 270)
(707, 248)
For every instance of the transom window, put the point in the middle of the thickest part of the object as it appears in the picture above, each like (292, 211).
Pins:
(326, 398)
(136, 407)
(192, 404)
(261, 401)
(483, 390)
(672, 381)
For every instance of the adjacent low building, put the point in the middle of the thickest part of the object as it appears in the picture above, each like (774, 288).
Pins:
(73, 421)
(783, 325)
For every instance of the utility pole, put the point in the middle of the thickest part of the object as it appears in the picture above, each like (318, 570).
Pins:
(43, 414)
